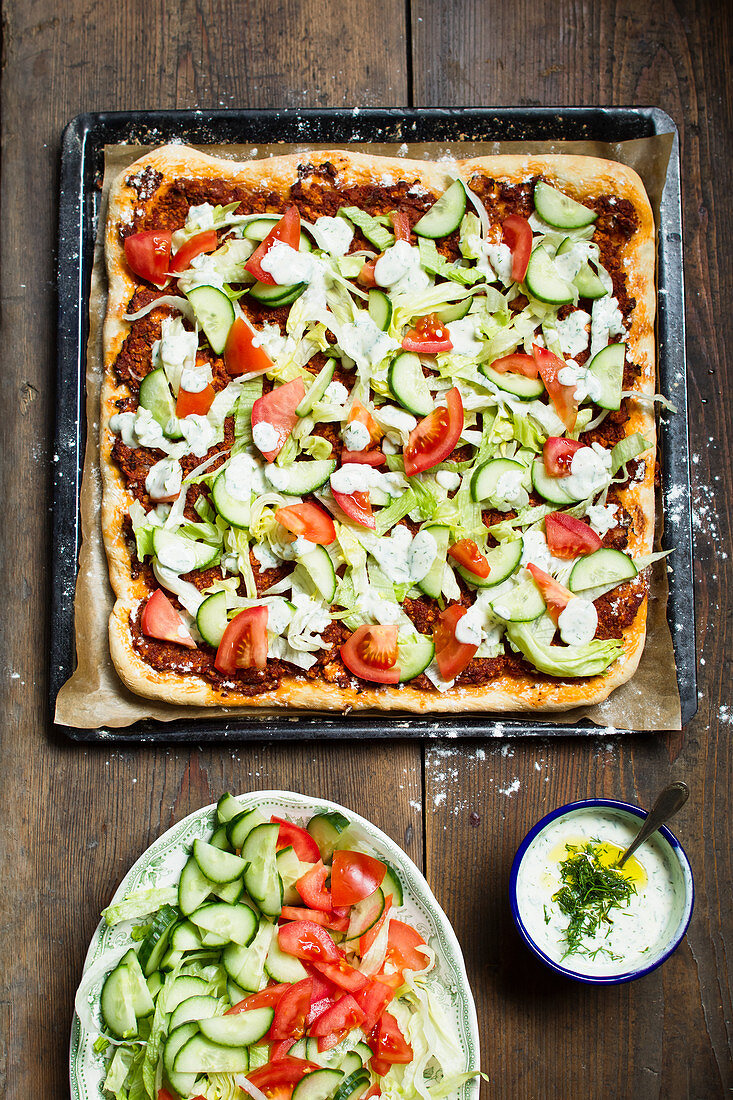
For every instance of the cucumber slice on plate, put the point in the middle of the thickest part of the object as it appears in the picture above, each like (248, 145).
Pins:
(125, 997)
(303, 477)
(608, 367)
(485, 480)
(522, 605)
(317, 388)
(559, 210)
(516, 384)
(552, 489)
(408, 384)
(261, 878)
(155, 943)
(503, 560)
(380, 308)
(200, 1055)
(231, 508)
(216, 865)
(444, 216)
(194, 555)
(365, 914)
(183, 1083)
(246, 965)
(194, 887)
(240, 1029)
(214, 313)
(413, 656)
(230, 892)
(391, 885)
(319, 567)
(290, 869)
(588, 283)
(155, 396)
(258, 229)
(355, 1085)
(219, 837)
(544, 282)
(432, 582)
(276, 295)
(239, 828)
(602, 567)
(326, 830)
(192, 1010)
(233, 923)
(186, 937)
(455, 312)
(180, 989)
(318, 1085)
(227, 807)
(211, 619)
(283, 967)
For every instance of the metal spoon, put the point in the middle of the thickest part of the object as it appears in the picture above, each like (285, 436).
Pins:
(668, 803)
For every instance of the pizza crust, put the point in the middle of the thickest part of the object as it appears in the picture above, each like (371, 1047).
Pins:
(582, 177)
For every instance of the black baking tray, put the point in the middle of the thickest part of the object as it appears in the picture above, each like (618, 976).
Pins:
(82, 168)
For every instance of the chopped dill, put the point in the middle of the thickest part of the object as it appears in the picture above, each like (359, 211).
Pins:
(590, 891)
(547, 915)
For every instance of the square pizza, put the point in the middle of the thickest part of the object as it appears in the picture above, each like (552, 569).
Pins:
(378, 432)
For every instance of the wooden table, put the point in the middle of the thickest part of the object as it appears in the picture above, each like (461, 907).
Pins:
(75, 818)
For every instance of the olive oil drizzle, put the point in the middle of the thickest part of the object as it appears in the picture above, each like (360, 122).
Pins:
(591, 890)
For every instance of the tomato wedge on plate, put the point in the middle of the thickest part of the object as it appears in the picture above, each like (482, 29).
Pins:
(401, 224)
(161, 620)
(368, 458)
(313, 524)
(202, 242)
(277, 410)
(568, 537)
(371, 653)
(374, 1091)
(312, 888)
(285, 1071)
(435, 436)
(341, 974)
(279, 1049)
(190, 401)
(467, 554)
(148, 255)
(556, 595)
(403, 943)
(306, 940)
(390, 1044)
(517, 233)
(286, 230)
(244, 643)
(291, 1011)
(557, 455)
(242, 352)
(359, 414)
(372, 999)
(452, 656)
(516, 363)
(429, 336)
(292, 836)
(357, 506)
(325, 919)
(266, 998)
(344, 1015)
(354, 876)
(366, 275)
(562, 397)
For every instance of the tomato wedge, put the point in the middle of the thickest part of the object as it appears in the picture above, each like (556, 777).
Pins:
(452, 656)
(568, 537)
(372, 999)
(403, 945)
(467, 554)
(344, 1015)
(516, 363)
(371, 653)
(279, 1049)
(163, 1094)
(366, 276)
(357, 506)
(148, 255)
(354, 875)
(380, 1065)
(557, 455)
(556, 596)
(429, 336)
(266, 998)
(306, 940)
(326, 920)
(312, 888)
(291, 1011)
(435, 436)
(313, 524)
(368, 458)
(292, 836)
(161, 620)
(374, 1091)
(285, 1071)
(341, 974)
(391, 1045)
(202, 242)
(286, 230)
(244, 643)
(242, 351)
(190, 401)
(276, 410)
(321, 1005)
(517, 233)
(358, 413)
(562, 397)
(401, 224)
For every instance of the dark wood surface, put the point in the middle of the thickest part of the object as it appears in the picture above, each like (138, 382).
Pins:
(75, 818)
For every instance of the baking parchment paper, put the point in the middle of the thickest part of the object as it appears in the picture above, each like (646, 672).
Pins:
(94, 696)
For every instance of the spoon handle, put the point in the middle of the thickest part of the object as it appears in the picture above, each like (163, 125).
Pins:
(668, 803)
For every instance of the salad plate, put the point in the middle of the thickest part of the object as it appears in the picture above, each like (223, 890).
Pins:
(161, 865)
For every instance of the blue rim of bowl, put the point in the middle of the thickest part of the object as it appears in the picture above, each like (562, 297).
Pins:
(600, 979)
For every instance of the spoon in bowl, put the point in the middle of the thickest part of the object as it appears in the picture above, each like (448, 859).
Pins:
(668, 803)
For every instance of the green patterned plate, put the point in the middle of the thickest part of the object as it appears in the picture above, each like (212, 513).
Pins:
(161, 865)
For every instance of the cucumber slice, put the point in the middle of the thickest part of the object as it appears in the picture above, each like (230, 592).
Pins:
(354, 1086)
(318, 387)
(261, 879)
(432, 582)
(363, 1049)
(602, 567)
(233, 923)
(517, 384)
(183, 1083)
(219, 837)
(230, 508)
(235, 993)
(246, 965)
(257, 231)
(192, 1010)
(551, 488)
(142, 1002)
(444, 216)
(391, 885)
(282, 967)
(171, 960)
(319, 567)
(304, 477)
(486, 477)
(240, 1029)
(200, 1055)
(200, 554)
(380, 308)
(227, 807)
(544, 282)
(608, 367)
(214, 313)
(216, 865)
(193, 887)
(276, 295)
(413, 656)
(155, 396)
(186, 937)
(455, 312)
(211, 619)
(239, 828)
(408, 385)
(366, 913)
(318, 1085)
(231, 892)
(560, 210)
(522, 605)
(503, 560)
(588, 283)
(182, 988)
(326, 830)
(154, 983)
(155, 943)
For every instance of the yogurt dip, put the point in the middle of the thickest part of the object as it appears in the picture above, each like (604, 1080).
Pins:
(640, 931)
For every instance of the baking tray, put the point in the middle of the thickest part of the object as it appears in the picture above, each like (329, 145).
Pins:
(82, 168)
